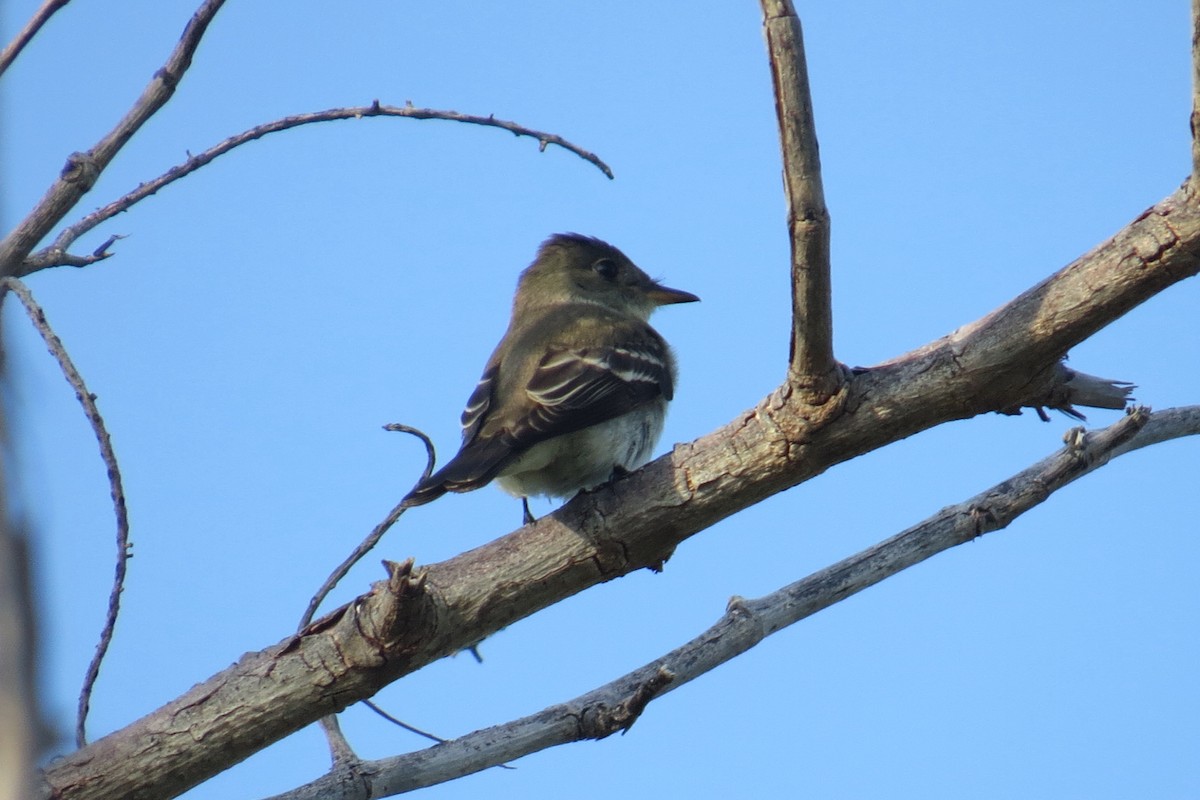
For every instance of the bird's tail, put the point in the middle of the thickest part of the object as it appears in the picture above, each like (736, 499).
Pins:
(473, 467)
(424, 492)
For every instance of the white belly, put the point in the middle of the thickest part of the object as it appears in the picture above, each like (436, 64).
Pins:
(561, 466)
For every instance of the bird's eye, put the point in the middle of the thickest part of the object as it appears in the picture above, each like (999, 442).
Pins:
(606, 268)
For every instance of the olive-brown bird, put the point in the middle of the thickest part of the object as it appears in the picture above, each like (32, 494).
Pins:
(577, 390)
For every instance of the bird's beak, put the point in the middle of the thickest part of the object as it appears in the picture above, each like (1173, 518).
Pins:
(665, 296)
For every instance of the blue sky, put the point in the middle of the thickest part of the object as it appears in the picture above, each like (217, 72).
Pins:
(268, 314)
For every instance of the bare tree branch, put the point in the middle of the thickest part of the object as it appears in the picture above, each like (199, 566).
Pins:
(418, 616)
(56, 253)
(82, 169)
(52, 257)
(368, 544)
(345, 760)
(747, 622)
(116, 490)
(26, 34)
(1004, 360)
(811, 363)
(1163, 426)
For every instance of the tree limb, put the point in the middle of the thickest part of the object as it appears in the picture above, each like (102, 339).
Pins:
(811, 363)
(747, 622)
(420, 615)
(26, 34)
(82, 169)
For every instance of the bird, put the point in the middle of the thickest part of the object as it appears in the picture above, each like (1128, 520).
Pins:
(576, 392)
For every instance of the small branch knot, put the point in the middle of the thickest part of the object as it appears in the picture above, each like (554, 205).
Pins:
(601, 721)
(167, 77)
(402, 582)
(81, 169)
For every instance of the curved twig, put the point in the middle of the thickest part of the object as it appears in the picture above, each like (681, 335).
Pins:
(401, 723)
(376, 534)
(88, 401)
(345, 760)
(26, 34)
(52, 255)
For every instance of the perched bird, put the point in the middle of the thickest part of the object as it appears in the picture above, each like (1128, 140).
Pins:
(577, 390)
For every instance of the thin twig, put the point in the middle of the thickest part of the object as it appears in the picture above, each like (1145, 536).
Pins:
(812, 366)
(26, 34)
(82, 169)
(413, 729)
(48, 256)
(748, 622)
(376, 534)
(116, 490)
(344, 757)
(403, 724)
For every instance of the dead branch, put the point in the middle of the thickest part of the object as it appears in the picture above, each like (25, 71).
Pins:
(1006, 359)
(748, 622)
(376, 533)
(26, 34)
(811, 364)
(421, 615)
(116, 490)
(82, 169)
(56, 254)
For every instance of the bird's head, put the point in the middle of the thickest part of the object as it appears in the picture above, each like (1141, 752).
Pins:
(571, 268)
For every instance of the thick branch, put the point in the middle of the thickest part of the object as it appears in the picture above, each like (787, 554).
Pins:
(56, 253)
(747, 622)
(82, 169)
(418, 616)
(1014, 350)
(811, 363)
(26, 34)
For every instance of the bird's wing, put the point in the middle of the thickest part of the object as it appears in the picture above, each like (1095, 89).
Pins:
(571, 389)
(480, 401)
(574, 388)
